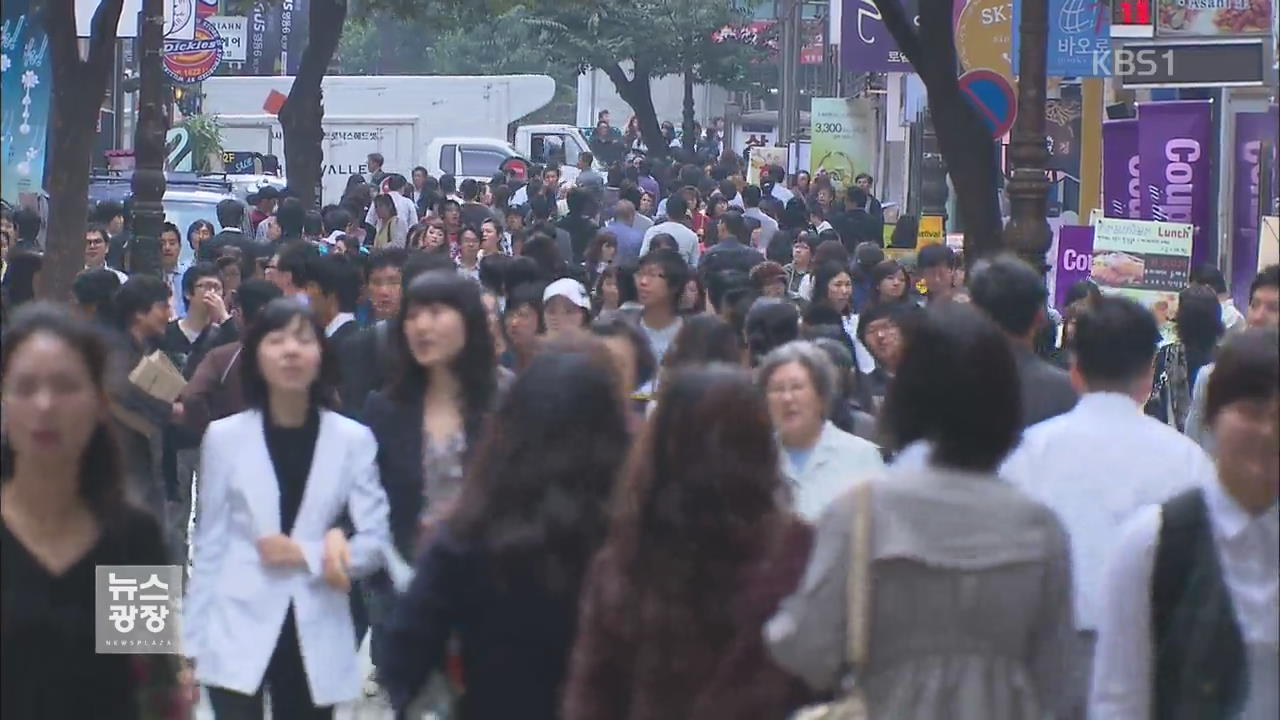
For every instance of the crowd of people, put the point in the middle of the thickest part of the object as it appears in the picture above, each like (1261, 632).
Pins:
(633, 446)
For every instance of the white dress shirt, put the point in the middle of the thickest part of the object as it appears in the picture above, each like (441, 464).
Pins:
(768, 226)
(1196, 426)
(1250, 562)
(1095, 466)
(337, 322)
(685, 238)
(406, 213)
(782, 194)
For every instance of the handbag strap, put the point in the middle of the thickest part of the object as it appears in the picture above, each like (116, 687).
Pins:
(858, 582)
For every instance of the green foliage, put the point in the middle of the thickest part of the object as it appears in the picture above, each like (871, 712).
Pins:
(206, 138)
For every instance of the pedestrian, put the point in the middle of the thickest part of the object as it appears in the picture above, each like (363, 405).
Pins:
(1013, 294)
(698, 555)
(267, 604)
(770, 280)
(936, 264)
(189, 338)
(819, 461)
(1198, 328)
(94, 292)
(633, 364)
(522, 320)
(1208, 275)
(95, 251)
(230, 214)
(770, 325)
(883, 331)
(64, 514)
(660, 281)
(198, 233)
(1188, 624)
(679, 226)
(605, 295)
(469, 253)
(601, 253)
(702, 340)
(1069, 462)
(172, 268)
(1263, 311)
(800, 266)
(890, 283)
(391, 232)
(565, 307)
(968, 580)
(503, 573)
(264, 204)
(732, 251)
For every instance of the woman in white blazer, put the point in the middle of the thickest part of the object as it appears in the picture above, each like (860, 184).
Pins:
(268, 599)
(819, 460)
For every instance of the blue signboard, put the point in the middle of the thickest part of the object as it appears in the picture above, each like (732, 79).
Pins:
(1079, 38)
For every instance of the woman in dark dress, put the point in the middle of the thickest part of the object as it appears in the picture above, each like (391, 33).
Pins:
(64, 513)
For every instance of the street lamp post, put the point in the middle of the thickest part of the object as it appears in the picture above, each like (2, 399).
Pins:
(1027, 232)
(148, 142)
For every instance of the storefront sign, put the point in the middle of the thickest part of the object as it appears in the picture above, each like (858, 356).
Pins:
(1079, 38)
(1252, 129)
(865, 42)
(984, 36)
(929, 231)
(762, 156)
(192, 61)
(1074, 261)
(843, 137)
(1176, 147)
(1214, 18)
(1174, 64)
(1147, 261)
(234, 33)
(1062, 125)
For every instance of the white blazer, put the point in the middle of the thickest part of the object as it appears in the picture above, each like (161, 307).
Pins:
(235, 605)
(838, 462)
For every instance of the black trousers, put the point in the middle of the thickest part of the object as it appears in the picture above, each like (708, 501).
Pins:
(285, 680)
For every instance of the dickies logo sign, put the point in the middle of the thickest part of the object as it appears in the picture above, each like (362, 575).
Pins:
(192, 61)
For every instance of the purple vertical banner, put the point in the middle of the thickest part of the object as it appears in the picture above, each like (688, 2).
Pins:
(1175, 148)
(1120, 184)
(1075, 260)
(1251, 129)
(865, 42)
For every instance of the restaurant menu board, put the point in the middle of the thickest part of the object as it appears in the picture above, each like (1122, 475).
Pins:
(1144, 260)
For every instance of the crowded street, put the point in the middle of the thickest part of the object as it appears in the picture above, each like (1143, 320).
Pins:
(660, 360)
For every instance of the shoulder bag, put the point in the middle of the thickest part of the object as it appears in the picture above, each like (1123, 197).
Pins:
(852, 704)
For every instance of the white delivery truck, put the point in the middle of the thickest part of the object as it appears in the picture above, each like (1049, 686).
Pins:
(454, 124)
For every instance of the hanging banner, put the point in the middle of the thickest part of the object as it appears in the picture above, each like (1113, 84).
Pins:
(1074, 262)
(263, 53)
(865, 42)
(1121, 185)
(843, 137)
(1149, 262)
(984, 36)
(234, 32)
(300, 25)
(26, 84)
(179, 18)
(1252, 128)
(1214, 18)
(1175, 145)
(1079, 43)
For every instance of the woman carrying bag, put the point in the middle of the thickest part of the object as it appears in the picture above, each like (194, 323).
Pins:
(967, 581)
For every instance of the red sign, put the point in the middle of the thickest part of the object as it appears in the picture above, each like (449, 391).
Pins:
(192, 61)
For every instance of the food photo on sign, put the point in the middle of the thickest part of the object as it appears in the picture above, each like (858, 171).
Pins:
(1145, 261)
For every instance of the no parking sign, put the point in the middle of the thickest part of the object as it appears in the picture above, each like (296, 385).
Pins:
(993, 97)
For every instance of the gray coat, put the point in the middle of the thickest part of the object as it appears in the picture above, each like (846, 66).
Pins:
(971, 612)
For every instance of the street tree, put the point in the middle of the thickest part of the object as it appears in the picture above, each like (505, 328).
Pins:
(80, 84)
(635, 42)
(963, 136)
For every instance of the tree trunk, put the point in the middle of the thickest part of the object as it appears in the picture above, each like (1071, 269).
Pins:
(637, 93)
(78, 89)
(301, 115)
(690, 134)
(149, 145)
(963, 137)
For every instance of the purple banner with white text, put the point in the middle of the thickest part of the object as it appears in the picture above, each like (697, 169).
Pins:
(1075, 260)
(865, 42)
(1252, 128)
(1175, 148)
(1120, 184)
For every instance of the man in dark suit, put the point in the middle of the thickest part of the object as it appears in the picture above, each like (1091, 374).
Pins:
(855, 224)
(333, 290)
(231, 217)
(732, 252)
(1014, 295)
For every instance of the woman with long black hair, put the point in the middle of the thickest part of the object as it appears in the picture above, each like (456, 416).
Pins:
(698, 557)
(268, 603)
(64, 513)
(504, 571)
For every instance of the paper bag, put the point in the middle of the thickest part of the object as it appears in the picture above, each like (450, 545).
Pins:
(156, 376)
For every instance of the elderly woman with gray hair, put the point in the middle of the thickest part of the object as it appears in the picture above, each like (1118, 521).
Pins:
(819, 460)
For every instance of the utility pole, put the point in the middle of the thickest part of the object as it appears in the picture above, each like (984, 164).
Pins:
(149, 142)
(1027, 232)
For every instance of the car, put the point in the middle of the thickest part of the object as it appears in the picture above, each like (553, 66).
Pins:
(187, 198)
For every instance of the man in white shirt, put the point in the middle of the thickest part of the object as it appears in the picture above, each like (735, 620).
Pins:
(1189, 626)
(677, 226)
(96, 242)
(768, 226)
(778, 176)
(1101, 461)
(171, 268)
(660, 279)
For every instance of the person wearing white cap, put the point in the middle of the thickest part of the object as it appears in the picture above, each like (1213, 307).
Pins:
(565, 306)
